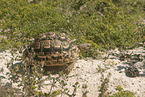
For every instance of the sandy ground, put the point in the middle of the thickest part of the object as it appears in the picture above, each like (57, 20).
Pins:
(85, 72)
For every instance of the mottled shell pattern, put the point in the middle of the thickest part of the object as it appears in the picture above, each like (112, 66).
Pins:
(55, 49)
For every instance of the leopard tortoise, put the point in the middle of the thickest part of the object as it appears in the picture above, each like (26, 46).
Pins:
(56, 51)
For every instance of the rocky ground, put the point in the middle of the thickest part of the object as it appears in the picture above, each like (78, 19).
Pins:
(86, 72)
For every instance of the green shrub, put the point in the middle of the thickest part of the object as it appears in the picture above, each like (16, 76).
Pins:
(104, 23)
(123, 93)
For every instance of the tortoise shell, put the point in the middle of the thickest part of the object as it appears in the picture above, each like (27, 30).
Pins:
(54, 49)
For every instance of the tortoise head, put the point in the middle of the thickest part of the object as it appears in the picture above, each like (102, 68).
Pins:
(84, 47)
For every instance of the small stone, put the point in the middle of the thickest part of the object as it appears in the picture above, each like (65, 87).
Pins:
(132, 72)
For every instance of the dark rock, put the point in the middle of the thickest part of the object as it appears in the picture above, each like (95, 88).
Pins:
(132, 72)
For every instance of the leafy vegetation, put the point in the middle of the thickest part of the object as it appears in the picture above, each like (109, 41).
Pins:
(123, 93)
(103, 23)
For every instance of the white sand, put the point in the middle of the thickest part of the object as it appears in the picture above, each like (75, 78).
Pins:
(86, 73)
